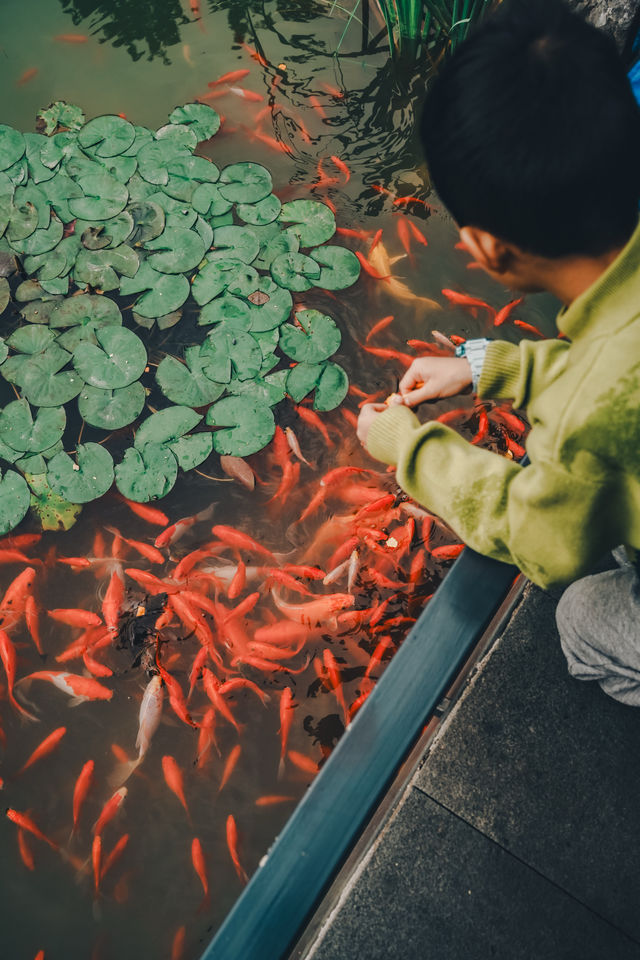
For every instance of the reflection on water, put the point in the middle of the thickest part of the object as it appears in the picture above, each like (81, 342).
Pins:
(360, 108)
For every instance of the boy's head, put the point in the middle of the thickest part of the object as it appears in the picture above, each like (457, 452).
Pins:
(532, 134)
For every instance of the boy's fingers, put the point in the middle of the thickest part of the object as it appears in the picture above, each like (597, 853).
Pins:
(415, 397)
(410, 380)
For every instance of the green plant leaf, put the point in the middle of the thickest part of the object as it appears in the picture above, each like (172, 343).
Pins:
(143, 137)
(12, 146)
(216, 276)
(30, 193)
(40, 241)
(60, 113)
(270, 389)
(111, 409)
(315, 339)
(101, 268)
(168, 320)
(208, 200)
(295, 272)
(118, 360)
(177, 213)
(34, 463)
(312, 222)
(205, 230)
(166, 292)
(181, 250)
(14, 500)
(273, 247)
(167, 425)
(55, 512)
(203, 118)
(148, 221)
(340, 267)
(186, 383)
(235, 243)
(332, 387)
(103, 197)
(4, 350)
(23, 221)
(34, 143)
(85, 309)
(267, 314)
(245, 182)
(178, 133)
(247, 425)
(59, 285)
(302, 379)
(222, 349)
(106, 136)
(146, 474)
(18, 173)
(228, 308)
(43, 388)
(39, 311)
(30, 339)
(87, 479)
(191, 451)
(154, 158)
(108, 233)
(21, 432)
(260, 213)
(58, 191)
(6, 453)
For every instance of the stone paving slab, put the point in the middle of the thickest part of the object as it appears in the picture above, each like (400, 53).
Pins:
(435, 888)
(548, 767)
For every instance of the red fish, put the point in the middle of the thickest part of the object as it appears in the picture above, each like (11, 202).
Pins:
(333, 670)
(27, 75)
(145, 512)
(505, 311)
(33, 622)
(302, 762)
(80, 688)
(312, 419)
(71, 38)
(448, 552)
(269, 800)
(464, 300)
(96, 859)
(75, 618)
(385, 353)
(417, 233)
(315, 611)
(48, 744)
(240, 541)
(510, 420)
(15, 598)
(338, 94)
(483, 426)
(25, 822)
(232, 843)
(115, 854)
(230, 765)
(81, 789)
(232, 77)
(342, 167)
(529, 327)
(177, 945)
(8, 656)
(254, 54)
(175, 781)
(238, 582)
(377, 327)
(113, 600)
(246, 94)
(287, 707)
(515, 448)
(26, 854)
(200, 867)
(110, 810)
(176, 697)
(368, 268)
(317, 106)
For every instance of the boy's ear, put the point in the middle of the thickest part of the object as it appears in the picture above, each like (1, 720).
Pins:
(488, 250)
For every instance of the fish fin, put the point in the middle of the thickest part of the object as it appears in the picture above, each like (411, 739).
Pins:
(76, 701)
(122, 772)
(281, 768)
(207, 513)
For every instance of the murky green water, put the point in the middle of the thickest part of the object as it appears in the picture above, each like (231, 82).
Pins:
(141, 59)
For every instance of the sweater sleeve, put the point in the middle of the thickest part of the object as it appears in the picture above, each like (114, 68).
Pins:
(518, 371)
(547, 521)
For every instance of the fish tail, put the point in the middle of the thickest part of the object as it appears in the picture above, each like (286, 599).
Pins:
(281, 767)
(22, 711)
(122, 772)
(205, 903)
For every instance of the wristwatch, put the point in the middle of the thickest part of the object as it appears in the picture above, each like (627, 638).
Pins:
(474, 351)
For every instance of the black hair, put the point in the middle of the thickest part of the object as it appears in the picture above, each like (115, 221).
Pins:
(531, 132)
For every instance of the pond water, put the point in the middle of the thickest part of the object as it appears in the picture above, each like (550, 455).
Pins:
(141, 60)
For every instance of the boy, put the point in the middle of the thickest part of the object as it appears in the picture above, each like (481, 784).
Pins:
(532, 137)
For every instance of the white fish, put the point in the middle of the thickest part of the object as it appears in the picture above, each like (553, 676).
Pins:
(379, 260)
(148, 722)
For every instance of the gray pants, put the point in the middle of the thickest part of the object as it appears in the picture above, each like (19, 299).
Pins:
(598, 618)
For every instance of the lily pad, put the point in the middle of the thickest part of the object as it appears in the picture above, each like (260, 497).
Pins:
(228, 308)
(40, 241)
(209, 201)
(107, 136)
(61, 114)
(118, 360)
(143, 137)
(101, 268)
(44, 388)
(148, 221)
(248, 425)
(166, 292)
(58, 191)
(186, 383)
(86, 478)
(312, 222)
(12, 146)
(302, 379)
(294, 271)
(270, 313)
(108, 233)
(315, 339)
(193, 169)
(167, 425)
(216, 276)
(332, 387)
(191, 451)
(34, 143)
(21, 432)
(59, 285)
(103, 197)
(177, 213)
(270, 389)
(14, 500)
(35, 195)
(54, 512)
(340, 267)
(39, 311)
(237, 243)
(245, 183)
(154, 158)
(146, 474)
(203, 118)
(180, 250)
(224, 349)
(23, 221)
(178, 133)
(83, 309)
(264, 211)
(30, 339)
(111, 409)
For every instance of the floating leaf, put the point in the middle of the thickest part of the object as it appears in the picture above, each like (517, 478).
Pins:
(34, 143)
(103, 197)
(32, 464)
(4, 350)
(281, 243)
(332, 387)
(41, 241)
(148, 221)
(55, 512)
(12, 146)
(313, 222)
(168, 320)
(146, 474)
(272, 312)
(248, 425)
(302, 379)
(21, 432)
(98, 267)
(61, 114)
(315, 339)
(187, 384)
(177, 214)
(122, 168)
(237, 243)
(205, 230)
(167, 425)
(5, 296)
(14, 500)
(223, 348)
(59, 285)
(167, 292)
(108, 233)
(295, 272)
(118, 360)
(30, 339)
(154, 158)
(228, 308)
(85, 309)
(245, 183)
(87, 479)
(203, 118)
(340, 267)
(39, 311)
(214, 277)
(106, 136)
(43, 388)
(270, 389)
(191, 451)
(190, 169)
(23, 221)
(58, 191)
(209, 201)
(6, 453)
(181, 250)
(264, 211)
(178, 133)
(30, 193)
(143, 137)
(111, 409)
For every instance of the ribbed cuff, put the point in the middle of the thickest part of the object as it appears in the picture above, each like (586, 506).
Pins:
(500, 370)
(389, 431)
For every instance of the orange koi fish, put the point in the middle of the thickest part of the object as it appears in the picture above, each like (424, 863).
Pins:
(333, 670)
(175, 781)
(294, 446)
(75, 618)
(357, 234)
(71, 38)
(113, 600)
(212, 690)
(176, 697)
(385, 353)
(150, 582)
(145, 512)
(280, 576)
(316, 611)
(287, 706)
(357, 703)
(230, 765)
(510, 420)
(448, 552)
(405, 240)
(242, 683)
(515, 448)
(26, 76)
(417, 233)
(232, 843)
(32, 620)
(311, 418)
(301, 570)
(464, 300)
(254, 54)
(47, 746)
(110, 810)
(177, 944)
(8, 657)
(334, 91)
(342, 167)
(317, 106)
(79, 688)
(505, 311)
(15, 598)
(199, 865)
(206, 737)
(249, 95)
(377, 327)
(238, 582)
(483, 426)
(238, 469)
(115, 855)
(240, 541)
(96, 858)
(269, 800)
(25, 822)
(234, 76)
(152, 554)
(26, 854)
(80, 791)
(529, 327)
(302, 762)
(368, 268)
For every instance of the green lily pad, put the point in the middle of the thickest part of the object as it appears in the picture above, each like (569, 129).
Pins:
(54, 512)
(245, 183)
(270, 389)
(332, 387)
(154, 158)
(101, 268)
(34, 143)
(148, 221)
(30, 339)
(5, 296)
(59, 285)
(340, 267)
(31, 464)
(6, 453)
(167, 425)
(224, 349)
(18, 173)
(168, 320)
(143, 137)
(46, 266)
(186, 383)
(86, 478)
(205, 231)
(193, 169)
(216, 276)
(119, 359)
(177, 213)
(181, 250)
(44, 388)
(191, 451)
(208, 200)
(294, 271)
(58, 191)
(312, 222)
(203, 118)
(178, 133)
(40, 241)
(30, 193)
(270, 313)
(140, 189)
(228, 308)
(315, 339)
(302, 379)
(21, 432)
(121, 168)
(23, 221)
(12, 146)
(146, 474)
(103, 197)
(248, 426)
(39, 311)
(264, 211)
(95, 235)
(111, 409)
(14, 500)
(61, 114)
(237, 243)
(166, 292)
(84, 309)
(107, 136)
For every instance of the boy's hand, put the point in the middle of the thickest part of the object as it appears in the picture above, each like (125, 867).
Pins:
(368, 414)
(429, 378)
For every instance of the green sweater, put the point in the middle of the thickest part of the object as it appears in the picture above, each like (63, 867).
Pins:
(581, 494)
